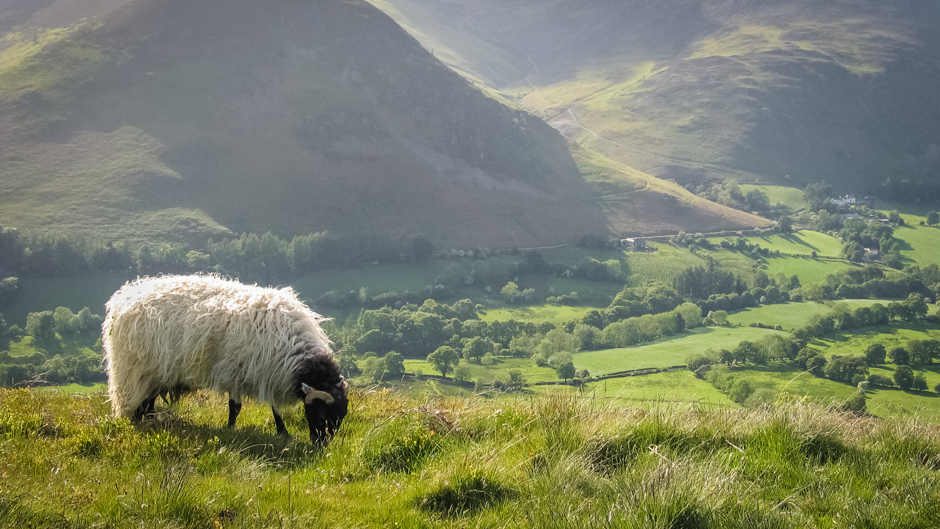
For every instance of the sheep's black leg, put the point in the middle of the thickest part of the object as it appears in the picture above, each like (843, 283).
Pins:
(279, 423)
(146, 408)
(233, 409)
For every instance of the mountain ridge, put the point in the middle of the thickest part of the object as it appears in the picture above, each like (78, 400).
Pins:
(192, 119)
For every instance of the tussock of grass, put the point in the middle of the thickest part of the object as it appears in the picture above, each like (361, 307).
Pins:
(554, 460)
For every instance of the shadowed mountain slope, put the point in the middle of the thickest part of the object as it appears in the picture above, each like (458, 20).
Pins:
(195, 118)
(782, 91)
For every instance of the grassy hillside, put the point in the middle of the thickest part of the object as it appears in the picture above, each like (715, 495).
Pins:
(785, 92)
(551, 461)
(181, 120)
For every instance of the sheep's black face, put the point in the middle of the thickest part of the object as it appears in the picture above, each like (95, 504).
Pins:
(324, 419)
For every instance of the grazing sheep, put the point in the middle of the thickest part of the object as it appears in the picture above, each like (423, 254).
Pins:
(170, 334)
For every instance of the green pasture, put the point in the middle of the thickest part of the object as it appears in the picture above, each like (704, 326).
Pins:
(856, 342)
(500, 369)
(802, 242)
(556, 314)
(661, 264)
(666, 352)
(787, 315)
(73, 345)
(897, 402)
(808, 270)
(880, 401)
(791, 196)
(920, 244)
(674, 386)
(784, 378)
(76, 389)
(735, 262)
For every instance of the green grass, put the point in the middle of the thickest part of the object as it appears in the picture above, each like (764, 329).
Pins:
(921, 244)
(677, 385)
(790, 196)
(803, 242)
(76, 389)
(787, 315)
(666, 352)
(808, 270)
(663, 264)
(553, 460)
(499, 370)
(556, 314)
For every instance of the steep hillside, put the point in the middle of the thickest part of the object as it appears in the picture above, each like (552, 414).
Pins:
(190, 118)
(784, 91)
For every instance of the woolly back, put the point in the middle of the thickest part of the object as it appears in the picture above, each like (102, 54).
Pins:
(206, 332)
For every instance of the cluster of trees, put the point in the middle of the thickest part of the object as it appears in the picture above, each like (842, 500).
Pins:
(854, 369)
(859, 236)
(914, 308)
(714, 365)
(728, 192)
(817, 193)
(59, 360)
(263, 258)
(872, 282)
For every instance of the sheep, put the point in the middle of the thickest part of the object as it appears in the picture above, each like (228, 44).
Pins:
(171, 334)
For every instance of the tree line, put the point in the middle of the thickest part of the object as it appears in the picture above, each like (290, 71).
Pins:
(263, 258)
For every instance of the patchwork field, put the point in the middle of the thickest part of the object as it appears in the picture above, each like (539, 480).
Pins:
(675, 386)
(790, 196)
(787, 315)
(661, 264)
(803, 242)
(921, 244)
(555, 314)
(666, 352)
(808, 270)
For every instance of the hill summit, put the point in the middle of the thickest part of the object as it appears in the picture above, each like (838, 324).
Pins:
(780, 91)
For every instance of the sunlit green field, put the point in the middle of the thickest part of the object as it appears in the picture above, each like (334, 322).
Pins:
(498, 370)
(803, 242)
(808, 270)
(787, 315)
(556, 314)
(663, 264)
(678, 385)
(790, 196)
(76, 389)
(921, 244)
(666, 352)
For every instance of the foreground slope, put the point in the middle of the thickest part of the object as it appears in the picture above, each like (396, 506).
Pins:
(186, 119)
(558, 460)
(786, 91)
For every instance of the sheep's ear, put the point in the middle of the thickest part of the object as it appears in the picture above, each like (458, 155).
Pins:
(314, 394)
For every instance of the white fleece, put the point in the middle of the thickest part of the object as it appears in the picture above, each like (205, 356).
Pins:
(205, 332)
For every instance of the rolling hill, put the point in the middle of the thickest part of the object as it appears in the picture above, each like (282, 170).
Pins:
(779, 91)
(190, 119)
